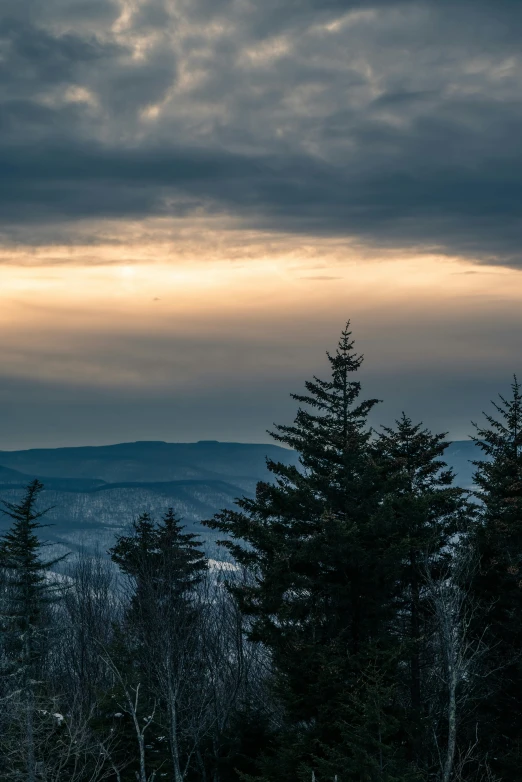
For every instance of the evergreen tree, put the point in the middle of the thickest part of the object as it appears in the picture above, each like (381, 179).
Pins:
(497, 584)
(161, 556)
(322, 589)
(161, 631)
(130, 552)
(427, 510)
(182, 561)
(27, 597)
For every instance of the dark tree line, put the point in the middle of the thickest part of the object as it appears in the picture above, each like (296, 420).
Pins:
(366, 625)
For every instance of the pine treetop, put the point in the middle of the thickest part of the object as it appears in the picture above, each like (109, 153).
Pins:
(416, 453)
(500, 478)
(504, 435)
(338, 425)
(130, 550)
(419, 484)
(163, 549)
(28, 591)
(20, 546)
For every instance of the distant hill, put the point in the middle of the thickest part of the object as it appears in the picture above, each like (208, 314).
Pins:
(151, 461)
(97, 491)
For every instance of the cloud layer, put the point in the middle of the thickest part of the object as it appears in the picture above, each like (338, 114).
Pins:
(396, 123)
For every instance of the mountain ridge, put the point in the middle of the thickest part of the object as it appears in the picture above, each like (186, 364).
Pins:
(96, 491)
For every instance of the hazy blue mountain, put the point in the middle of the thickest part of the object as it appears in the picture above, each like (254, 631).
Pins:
(95, 492)
(150, 461)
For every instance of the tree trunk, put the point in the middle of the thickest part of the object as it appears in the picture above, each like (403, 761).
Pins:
(29, 736)
(452, 717)
(415, 634)
(415, 675)
(173, 730)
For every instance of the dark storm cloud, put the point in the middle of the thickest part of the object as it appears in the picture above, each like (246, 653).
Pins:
(395, 122)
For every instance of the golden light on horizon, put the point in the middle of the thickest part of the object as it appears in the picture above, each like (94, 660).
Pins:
(70, 313)
(130, 278)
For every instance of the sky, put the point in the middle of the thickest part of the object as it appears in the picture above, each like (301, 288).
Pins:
(196, 195)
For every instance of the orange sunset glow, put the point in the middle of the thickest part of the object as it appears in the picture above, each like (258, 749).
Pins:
(198, 196)
(168, 316)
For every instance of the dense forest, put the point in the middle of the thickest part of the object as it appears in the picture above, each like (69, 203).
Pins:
(363, 625)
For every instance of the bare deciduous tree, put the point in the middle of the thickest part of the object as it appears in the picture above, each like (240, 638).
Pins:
(457, 669)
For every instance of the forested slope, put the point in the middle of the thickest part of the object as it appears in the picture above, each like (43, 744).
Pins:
(95, 492)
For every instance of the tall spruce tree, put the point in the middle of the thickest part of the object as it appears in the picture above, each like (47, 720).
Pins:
(28, 593)
(497, 585)
(321, 598)
(427, 511)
